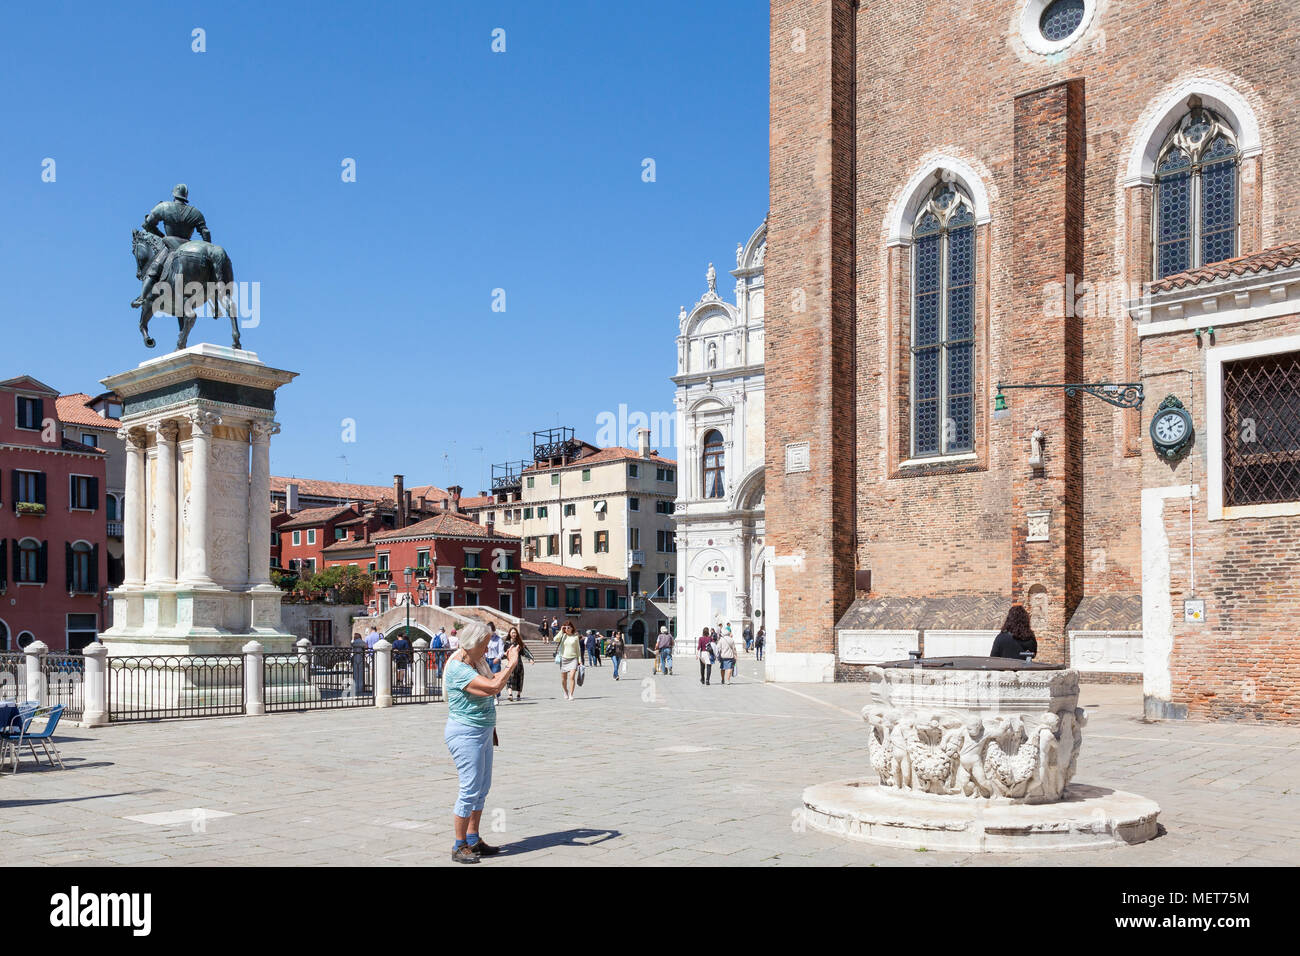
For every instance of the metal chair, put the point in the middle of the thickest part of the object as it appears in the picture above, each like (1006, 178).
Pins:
(11, 739)
(46, 736)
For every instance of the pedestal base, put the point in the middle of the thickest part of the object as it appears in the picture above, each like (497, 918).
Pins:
(1086, 817)
(184, 620)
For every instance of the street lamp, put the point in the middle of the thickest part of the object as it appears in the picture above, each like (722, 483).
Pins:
(406, 579)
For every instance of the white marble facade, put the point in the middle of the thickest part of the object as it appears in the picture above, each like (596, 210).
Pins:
(722, 574)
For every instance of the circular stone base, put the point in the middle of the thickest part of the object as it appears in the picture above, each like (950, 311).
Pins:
(1086, 817)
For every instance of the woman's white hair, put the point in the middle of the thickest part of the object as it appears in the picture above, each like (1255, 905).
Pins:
(472, 635)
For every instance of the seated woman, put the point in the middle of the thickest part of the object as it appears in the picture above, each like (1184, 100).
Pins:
(1016, 636)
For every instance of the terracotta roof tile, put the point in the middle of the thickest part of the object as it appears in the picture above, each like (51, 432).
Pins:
(603, 455)
(478, 502)
(347, 544)
(316, 488)
(313, 517)
(546, 569)
(73, 410)
(1278, 257)
(446, 526)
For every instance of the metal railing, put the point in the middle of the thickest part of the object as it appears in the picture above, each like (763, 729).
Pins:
(13, 676)
(319, 678)
(65, 683)
(412, 687)
(159, 688)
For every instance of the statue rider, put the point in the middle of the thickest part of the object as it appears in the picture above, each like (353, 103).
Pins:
(182, 221)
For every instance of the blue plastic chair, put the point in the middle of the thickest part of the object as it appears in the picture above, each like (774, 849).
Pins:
(11, 736)
(28, 713)
(45, 736)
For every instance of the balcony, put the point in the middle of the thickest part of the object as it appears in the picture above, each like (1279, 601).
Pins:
(473, 574)
(385, 575)
(115, 529)
(635, 559)
(423, 571)
(29, 508)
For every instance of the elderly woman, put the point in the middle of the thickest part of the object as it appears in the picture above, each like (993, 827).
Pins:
(471, 727)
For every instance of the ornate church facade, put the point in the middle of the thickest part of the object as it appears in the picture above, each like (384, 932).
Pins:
(722, 575)
(969, 214)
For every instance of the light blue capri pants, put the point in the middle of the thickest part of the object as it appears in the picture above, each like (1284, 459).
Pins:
(471, 749)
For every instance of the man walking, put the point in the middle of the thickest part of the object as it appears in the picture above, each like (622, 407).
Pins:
(664, 646)
(760, 640)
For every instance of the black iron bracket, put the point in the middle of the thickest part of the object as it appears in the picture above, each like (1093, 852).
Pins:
(1119, 394)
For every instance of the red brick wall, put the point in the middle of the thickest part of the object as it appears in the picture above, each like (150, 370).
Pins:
(945, 78)
(810, 277)
(1244, 661)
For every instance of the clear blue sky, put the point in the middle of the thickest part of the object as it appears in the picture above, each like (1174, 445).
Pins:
(475, 171)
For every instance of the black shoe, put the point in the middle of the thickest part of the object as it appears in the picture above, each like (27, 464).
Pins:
(463, 854)
(484, 849)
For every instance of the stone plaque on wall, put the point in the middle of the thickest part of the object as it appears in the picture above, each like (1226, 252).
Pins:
(798, 457)
(1038, 525)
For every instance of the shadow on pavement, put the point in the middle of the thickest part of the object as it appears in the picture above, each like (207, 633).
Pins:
(545, 841)
(6, 804)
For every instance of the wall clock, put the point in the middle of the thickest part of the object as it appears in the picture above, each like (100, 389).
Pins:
(1171, 428)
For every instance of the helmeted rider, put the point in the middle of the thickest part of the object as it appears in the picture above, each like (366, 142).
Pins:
(182, 221)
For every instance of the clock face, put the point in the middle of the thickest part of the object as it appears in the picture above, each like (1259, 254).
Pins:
(1170, 428)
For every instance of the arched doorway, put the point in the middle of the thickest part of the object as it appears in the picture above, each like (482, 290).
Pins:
(4, 636)
(636, 635)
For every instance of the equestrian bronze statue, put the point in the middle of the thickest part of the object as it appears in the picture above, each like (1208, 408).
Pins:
(181, 273)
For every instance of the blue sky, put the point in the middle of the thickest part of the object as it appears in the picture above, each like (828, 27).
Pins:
(475, 171)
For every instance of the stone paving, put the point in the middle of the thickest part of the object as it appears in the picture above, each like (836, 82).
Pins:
(662, 771)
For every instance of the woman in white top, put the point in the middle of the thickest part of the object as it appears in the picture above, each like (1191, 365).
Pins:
(570, 656)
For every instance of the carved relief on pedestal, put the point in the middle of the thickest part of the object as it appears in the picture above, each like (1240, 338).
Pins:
(1001, 757)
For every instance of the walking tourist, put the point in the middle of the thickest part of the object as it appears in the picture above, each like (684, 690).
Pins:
(401, 658)
(1016, 636)
(748, 635)
(704, 651)
(470, 735)
(664, 647)
(569, 656)
(495, 651)
(727, 656)
(452, 641)
(516, 683)
(760, 642)
(593, 649)
(616, 649)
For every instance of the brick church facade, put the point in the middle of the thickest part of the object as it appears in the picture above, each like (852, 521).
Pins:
(1016, 193)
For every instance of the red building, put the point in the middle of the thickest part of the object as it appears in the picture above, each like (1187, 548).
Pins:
(298, 541)
(53, 532)
(455, 562)
(578, 596)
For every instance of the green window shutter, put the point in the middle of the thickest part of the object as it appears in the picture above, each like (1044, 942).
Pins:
(40, 487)
(43, 564)
(94, 568)
(94, 493)
(68, 559)
(4, 562)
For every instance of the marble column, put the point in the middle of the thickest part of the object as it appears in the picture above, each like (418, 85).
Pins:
(196, 529)
(163, 570)
(135, 517)
(259, 504)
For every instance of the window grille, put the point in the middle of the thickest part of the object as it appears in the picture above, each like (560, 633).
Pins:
(1261, 430)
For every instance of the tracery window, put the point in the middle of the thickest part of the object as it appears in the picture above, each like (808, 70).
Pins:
(943, 324)
(714, 471)
(1196, 194)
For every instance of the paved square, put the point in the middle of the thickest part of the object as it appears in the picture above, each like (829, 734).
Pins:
(662, 771)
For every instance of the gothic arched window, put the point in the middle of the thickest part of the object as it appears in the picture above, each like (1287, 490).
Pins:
(715, 484)
(1196, 194)
(943, 324)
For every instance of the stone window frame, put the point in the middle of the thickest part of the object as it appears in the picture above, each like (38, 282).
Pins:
(898, 298)
(1031, 15)
(1215, 358)
(1176, 139)
(1147, 140)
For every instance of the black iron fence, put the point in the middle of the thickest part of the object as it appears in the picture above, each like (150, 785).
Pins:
(158, 688)
(319, 678)
(410, 686)
(13, 677)
(65, 683)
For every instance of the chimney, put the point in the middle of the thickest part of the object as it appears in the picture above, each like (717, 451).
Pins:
(424, 506)
(406, 508)
(455, 491)
(291, 497)
(643, 441)
(399, 498)
(482, 494)
(491, 523)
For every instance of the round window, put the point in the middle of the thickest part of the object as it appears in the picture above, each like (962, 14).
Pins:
(1060, 19)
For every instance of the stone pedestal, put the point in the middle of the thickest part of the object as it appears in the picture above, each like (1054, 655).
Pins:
(976, 754)
(197, 534)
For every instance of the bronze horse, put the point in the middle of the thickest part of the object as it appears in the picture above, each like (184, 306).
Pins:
(199, 270)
